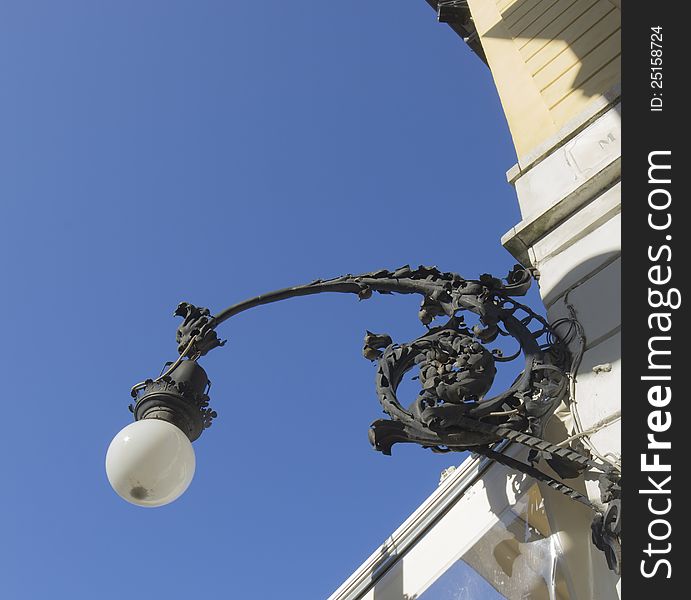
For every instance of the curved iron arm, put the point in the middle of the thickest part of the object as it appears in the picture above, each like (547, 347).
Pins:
(458, 394)
(444, 293)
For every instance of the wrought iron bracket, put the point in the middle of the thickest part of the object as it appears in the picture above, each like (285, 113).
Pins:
(456, 369)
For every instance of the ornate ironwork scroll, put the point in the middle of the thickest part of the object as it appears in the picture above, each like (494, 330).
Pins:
(456, 369)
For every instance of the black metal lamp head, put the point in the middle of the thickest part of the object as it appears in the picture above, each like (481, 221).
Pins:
(179, 397)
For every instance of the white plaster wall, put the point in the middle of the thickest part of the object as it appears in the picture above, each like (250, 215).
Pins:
(589, 239)
(570, 165)
(571, 233)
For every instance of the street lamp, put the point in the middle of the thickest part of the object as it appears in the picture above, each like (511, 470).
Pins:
(151, 461)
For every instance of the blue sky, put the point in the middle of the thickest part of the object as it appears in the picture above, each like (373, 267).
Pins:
(153, 152)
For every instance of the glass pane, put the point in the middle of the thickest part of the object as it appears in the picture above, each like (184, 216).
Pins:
(461, 582)
(517, 559)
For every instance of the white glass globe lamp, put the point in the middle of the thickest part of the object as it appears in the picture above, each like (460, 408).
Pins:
(150, 462)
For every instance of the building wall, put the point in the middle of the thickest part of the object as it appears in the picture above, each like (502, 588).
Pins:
(570, 201)
(571, 233)
(550, 59)
(568, 183)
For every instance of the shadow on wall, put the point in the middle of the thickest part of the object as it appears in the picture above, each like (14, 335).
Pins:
(588, 57)
(557, 290)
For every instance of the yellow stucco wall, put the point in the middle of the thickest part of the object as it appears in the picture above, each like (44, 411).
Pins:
(549, 60)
